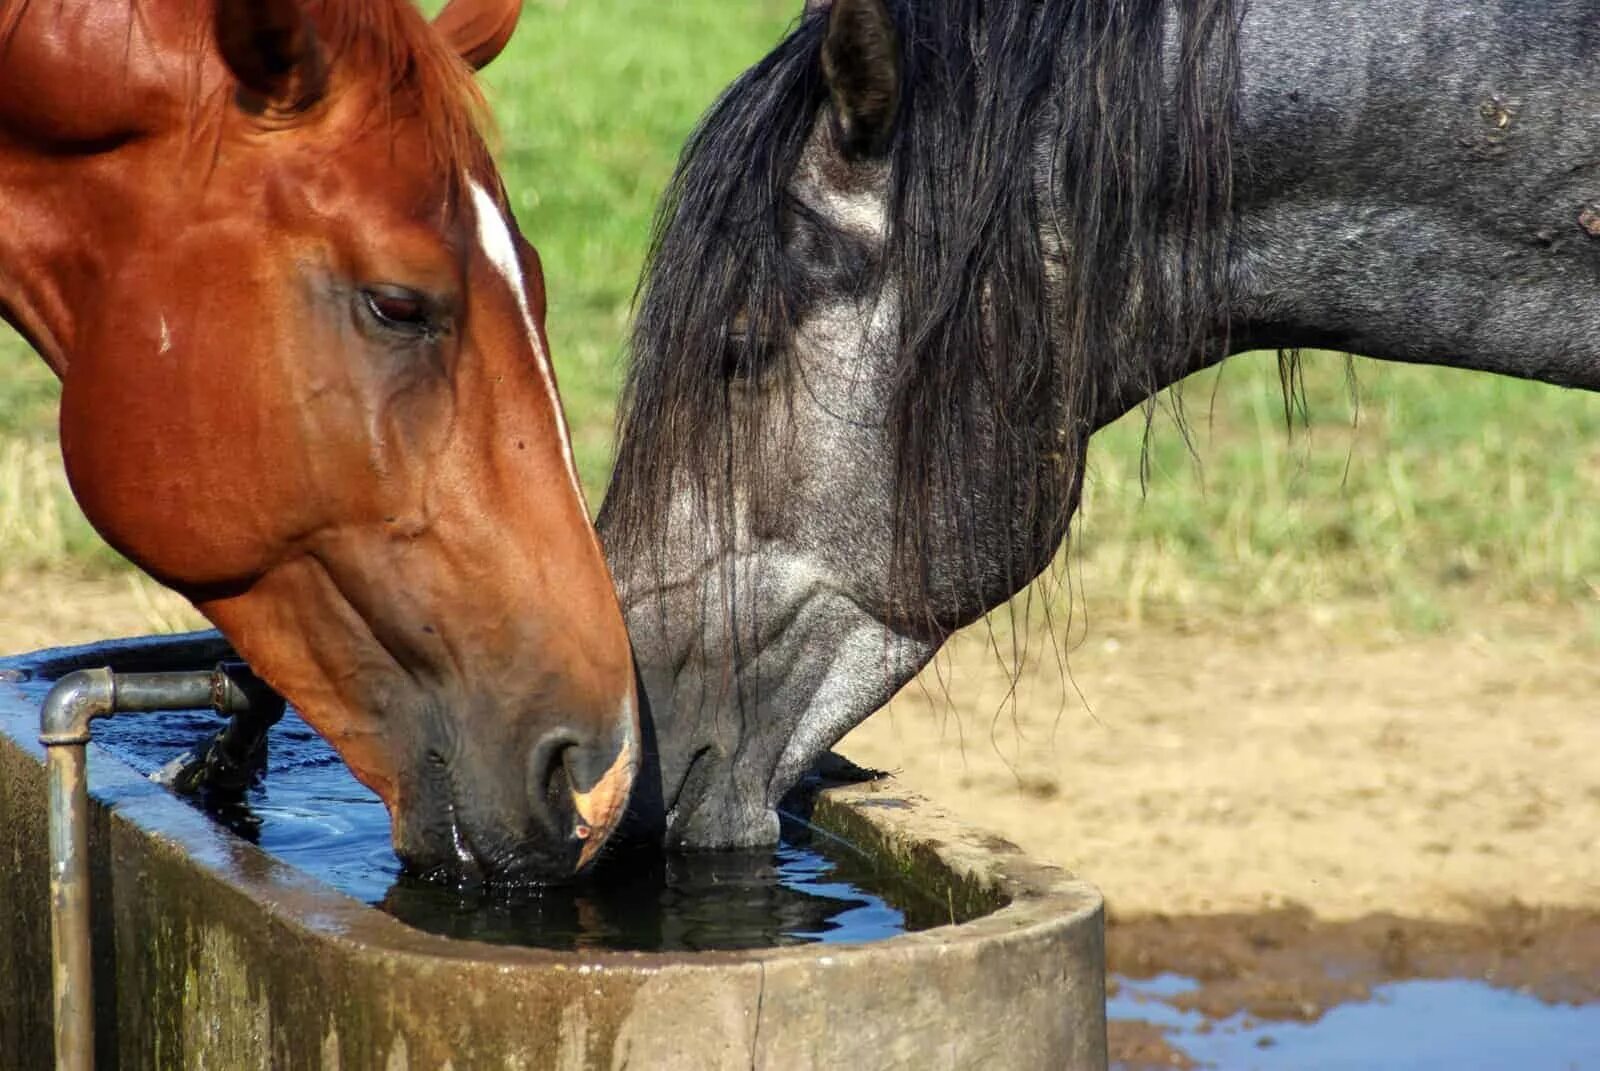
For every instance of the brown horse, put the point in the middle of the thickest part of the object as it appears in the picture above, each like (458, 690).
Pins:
(306, 384)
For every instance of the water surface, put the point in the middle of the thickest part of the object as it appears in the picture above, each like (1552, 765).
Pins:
(310, 812)
(1419, 1025)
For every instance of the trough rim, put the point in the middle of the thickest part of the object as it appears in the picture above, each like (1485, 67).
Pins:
(1041, 901)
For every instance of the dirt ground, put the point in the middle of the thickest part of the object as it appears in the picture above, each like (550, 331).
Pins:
(1293, 812)
(1324, 764)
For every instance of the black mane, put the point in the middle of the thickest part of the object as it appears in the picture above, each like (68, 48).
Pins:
(1060, 184)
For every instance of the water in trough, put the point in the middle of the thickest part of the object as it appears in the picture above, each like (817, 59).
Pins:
(310, 812)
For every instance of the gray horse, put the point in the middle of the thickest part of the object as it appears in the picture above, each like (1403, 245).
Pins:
(917, 255)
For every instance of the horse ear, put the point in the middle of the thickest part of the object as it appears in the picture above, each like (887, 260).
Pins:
(272, 49)
(861, 63)
(479, 29)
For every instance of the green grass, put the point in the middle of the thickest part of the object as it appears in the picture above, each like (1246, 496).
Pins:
(1440, 485)
(1451, 486)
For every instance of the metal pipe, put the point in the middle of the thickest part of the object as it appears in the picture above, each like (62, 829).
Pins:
(64, 731)
(162, 691)
(225, 765)
(72, 704)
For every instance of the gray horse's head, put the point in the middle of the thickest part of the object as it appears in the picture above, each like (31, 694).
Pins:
(917, 255)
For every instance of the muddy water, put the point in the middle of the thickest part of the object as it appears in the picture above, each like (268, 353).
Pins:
(310, 812)
(1518, 990)
(1421, 1024)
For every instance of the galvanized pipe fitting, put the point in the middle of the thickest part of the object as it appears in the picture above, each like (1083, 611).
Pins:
(64, 731)
(76, 698)
(75, 701)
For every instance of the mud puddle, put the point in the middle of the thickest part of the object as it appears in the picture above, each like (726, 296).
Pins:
(1518, 989)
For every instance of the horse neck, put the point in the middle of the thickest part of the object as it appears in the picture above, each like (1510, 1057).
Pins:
(89, 96)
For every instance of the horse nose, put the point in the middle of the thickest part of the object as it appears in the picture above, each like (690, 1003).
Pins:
(579, 784)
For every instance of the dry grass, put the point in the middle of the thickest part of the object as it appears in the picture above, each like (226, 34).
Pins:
(1442, 487)
(40, 525)
(57, 608)
(59, 582)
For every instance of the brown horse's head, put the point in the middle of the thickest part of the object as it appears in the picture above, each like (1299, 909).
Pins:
(307, 385)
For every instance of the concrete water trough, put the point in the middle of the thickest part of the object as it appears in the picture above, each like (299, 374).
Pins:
(209, 952)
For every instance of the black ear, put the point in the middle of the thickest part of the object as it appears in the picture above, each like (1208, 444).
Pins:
(861, 63)
(272, 49)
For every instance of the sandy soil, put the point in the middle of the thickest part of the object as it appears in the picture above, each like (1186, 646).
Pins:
(1292, 762)
(1295, 763)
(56, 610)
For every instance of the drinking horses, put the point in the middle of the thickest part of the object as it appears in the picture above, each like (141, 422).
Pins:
(917, 255)
(306, 383)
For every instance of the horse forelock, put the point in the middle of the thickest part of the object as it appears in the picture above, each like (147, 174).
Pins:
(1059, 194)
(391, 42)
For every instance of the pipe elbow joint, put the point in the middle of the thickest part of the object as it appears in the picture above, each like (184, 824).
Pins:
(76, 699)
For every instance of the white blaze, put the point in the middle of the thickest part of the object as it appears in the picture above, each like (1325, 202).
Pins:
(495, 238)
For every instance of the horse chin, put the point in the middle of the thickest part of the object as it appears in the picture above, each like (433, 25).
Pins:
(441, 846)
(721, 828)
(460, 867)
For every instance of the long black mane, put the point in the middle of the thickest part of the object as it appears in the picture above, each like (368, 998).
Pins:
(1060, 177)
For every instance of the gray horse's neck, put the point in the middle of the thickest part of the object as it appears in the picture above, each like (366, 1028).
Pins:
(1421, 182)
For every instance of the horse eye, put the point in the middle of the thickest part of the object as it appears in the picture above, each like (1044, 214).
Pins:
(738, 348)
(398, 308)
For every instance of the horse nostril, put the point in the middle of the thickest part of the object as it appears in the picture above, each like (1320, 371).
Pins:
(550, 786)
(578, 788)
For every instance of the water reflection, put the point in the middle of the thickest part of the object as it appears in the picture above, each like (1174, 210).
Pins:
(310, 812)
(1415, 1025)
(648, 901)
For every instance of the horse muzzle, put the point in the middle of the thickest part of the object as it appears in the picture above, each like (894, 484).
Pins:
(478, 817)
